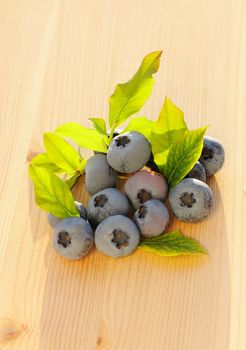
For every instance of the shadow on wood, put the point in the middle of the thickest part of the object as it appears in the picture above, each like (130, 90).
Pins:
(184, 295)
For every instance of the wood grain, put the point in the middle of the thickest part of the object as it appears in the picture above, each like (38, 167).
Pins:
(59, 62)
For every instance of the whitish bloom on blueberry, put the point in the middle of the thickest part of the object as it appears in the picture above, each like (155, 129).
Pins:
(117, 236)
(107, 202)
(197, 172)
(128, 152)
(152, 218)
(145, 185)
(82, 210)
(191, 200)
(53, 220)
(99, 174)
(73, 238)
(213, 155)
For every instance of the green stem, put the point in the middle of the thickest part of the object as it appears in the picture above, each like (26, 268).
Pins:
(81, 157)
(111, 133)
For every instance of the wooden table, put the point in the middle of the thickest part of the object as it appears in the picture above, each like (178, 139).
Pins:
(60, 61)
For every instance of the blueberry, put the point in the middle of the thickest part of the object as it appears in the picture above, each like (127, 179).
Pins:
(128, 152)
(99, 174)
(197, 172)
(213, 155)
(53, 220)
(145, 185)
(117, 236)
(105, 203)
(73, 238)
(151, 218)
(191, 200)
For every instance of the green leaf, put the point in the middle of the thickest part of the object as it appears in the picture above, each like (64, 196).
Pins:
(172, 244)
(168, 128)
(52, 193)
(129, 98)
(99, 125)
(160, 159)
(183, 155)
(161, 142)
(42, 160)
(61, 152)
(82, 164)
(141, 124)
(170, 118)
(71, 179)
(84, 137)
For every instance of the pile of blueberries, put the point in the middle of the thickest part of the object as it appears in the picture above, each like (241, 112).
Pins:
(116, 221)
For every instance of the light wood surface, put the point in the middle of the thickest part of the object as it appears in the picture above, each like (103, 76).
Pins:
(60, 60)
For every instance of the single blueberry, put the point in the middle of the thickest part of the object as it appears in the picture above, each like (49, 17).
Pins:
(99, 174)
(145, 185)
(117, 236)
(213, 155)
(197, 172)
(107, 202)
(73, 238)
(128, 152)
(191, 200)
(53, 220)
(152, 218)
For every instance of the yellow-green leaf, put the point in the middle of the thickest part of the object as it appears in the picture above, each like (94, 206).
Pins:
(42, 160)
(129, 98)
(52, 193)
(170, 118)
(168, 128)
(71, 179)
(183, 155)
(141, 124)
(172, 244)
(160, 159)
(99, 125)
(84, 137)
(82, 164)
(61, 152)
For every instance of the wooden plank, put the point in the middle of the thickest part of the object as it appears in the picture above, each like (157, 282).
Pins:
(60, 60)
